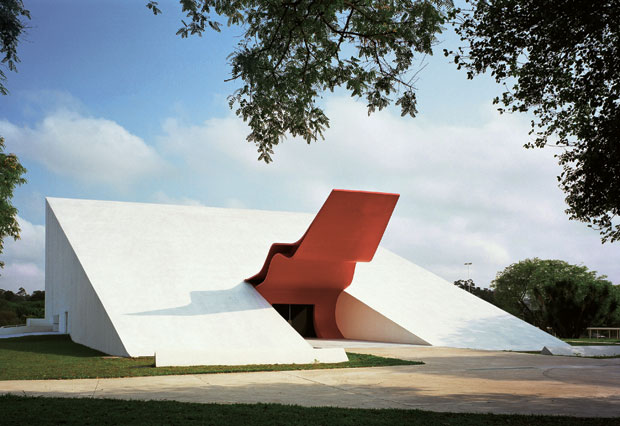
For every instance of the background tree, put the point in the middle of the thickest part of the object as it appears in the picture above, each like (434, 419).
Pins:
(483, 293)
(11, 172)
(613, 319)
(291, 51)
(15, 308)
(570, 306)
(12, 15)
(549, 292)
(515, 284)
(559, 60)
(466, 285)
(37, 295)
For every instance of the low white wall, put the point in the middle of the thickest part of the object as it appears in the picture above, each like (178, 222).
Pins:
(5, 331)
(171, 357)
(38, 322)
(593, 351)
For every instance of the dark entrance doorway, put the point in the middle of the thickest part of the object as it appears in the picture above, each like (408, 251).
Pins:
(300, 317)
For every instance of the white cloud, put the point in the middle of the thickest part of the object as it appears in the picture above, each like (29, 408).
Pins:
(90, 150)
(468, 193)
(234, 203)
(202, 146)
(24, 259)
(31, 244)
(161, 197)
(29, 275)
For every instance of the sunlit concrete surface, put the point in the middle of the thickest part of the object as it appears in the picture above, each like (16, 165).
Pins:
(134, 279)
(607, 350)
(452, 380)
(429, 309)
(348, 343)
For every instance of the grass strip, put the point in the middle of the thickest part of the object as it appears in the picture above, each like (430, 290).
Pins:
(584, 341)
(20, 410)
(57, 357)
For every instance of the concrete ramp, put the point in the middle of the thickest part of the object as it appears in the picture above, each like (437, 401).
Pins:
(432, 309)
(588, 351)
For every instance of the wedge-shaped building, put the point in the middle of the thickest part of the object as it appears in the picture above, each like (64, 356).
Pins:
(199, 285)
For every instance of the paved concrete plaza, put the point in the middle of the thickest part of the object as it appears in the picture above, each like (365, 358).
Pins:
(455, 380)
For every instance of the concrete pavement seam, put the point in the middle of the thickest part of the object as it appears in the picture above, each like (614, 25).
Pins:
(95, 390)
(200, 378)
(354, 392)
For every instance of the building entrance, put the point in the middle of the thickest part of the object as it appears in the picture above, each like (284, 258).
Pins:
(300, 317)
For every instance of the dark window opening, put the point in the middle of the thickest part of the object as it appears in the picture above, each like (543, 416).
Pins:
(300, 317)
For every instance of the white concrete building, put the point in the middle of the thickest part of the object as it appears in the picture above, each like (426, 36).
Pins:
(134, 279)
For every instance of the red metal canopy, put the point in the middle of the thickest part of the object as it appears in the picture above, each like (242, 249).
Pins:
(318, 267)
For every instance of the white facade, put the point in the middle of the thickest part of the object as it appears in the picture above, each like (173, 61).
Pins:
(432, 309)
(134, 279)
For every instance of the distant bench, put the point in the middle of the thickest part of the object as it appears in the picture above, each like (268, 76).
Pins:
(609, 330)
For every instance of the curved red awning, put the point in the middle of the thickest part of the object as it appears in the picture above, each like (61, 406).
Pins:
(318, 267)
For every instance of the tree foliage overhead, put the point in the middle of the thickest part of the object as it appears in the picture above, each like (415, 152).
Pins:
(556, 294)
(12, 24)
(559, 60)
(12, 14)
(291, 51)
(11, 172)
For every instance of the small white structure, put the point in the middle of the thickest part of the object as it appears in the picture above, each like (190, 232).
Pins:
(589, 351)
(133, 279)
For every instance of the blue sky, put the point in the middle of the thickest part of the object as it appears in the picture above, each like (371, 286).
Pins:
(110, 104)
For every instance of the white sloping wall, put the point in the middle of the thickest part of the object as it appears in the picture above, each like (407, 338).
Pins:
(358, 321)
(435, 310)
(70, 297)
(170, 278)
(138, 279)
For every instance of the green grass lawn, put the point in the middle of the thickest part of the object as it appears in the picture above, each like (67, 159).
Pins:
(57, 357)
(584, 341)
(20, 410)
